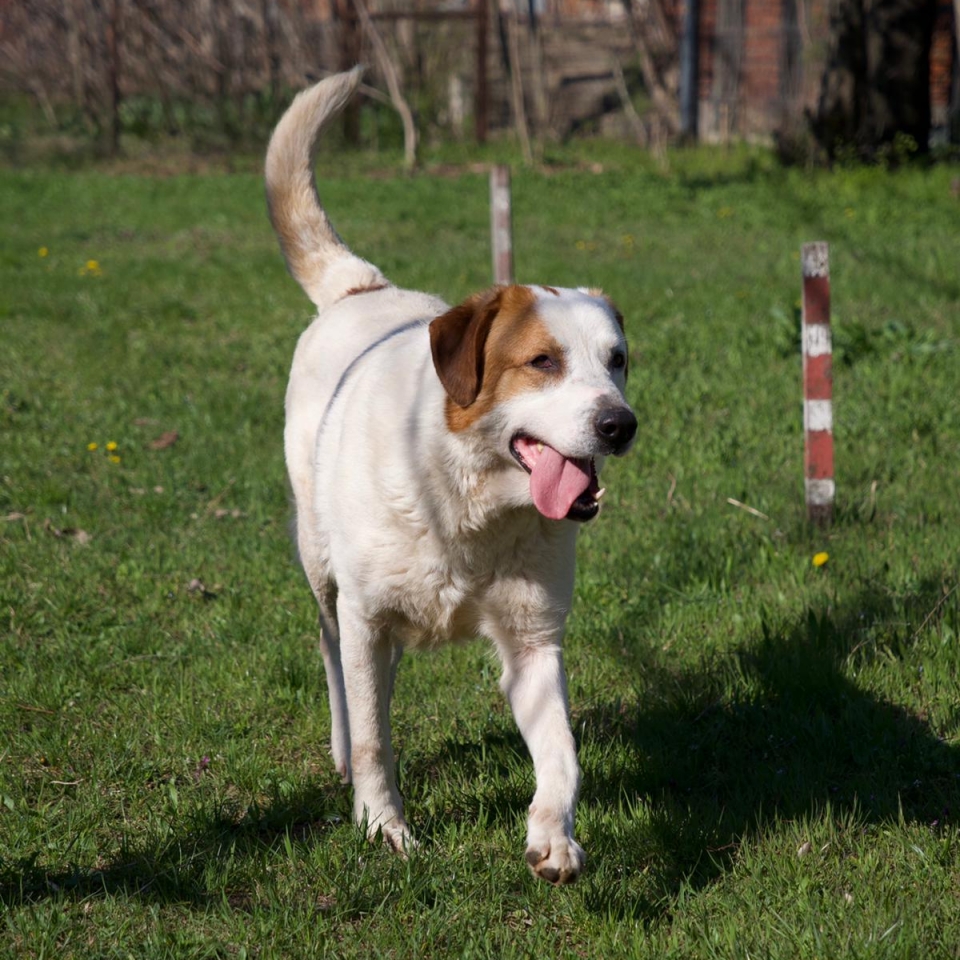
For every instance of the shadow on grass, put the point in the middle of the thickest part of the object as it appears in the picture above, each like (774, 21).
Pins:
(710, 756)
(776, 731)
(174, 868)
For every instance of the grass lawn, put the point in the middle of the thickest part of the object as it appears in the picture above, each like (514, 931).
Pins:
(770, 755)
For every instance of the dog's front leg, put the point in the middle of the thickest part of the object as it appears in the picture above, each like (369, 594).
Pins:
(369, 663)
(535, 685)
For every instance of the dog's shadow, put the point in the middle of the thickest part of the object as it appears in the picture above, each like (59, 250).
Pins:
(698, 761)
(774, 732)
(174, 867)
(702, 759)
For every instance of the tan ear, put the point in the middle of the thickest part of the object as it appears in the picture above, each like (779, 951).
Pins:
(457, 339)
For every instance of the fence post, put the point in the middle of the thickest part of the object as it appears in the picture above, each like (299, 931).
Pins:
(113, 28)
(482, 95)
(820, 489)
(501, 228)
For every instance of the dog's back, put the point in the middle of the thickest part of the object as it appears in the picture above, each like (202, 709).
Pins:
(338, 282)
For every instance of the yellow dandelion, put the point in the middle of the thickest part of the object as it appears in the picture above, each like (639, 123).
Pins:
(114, 458)
(91, 268)
(92, 446)
(112, 445)
(819, 559)
(581, 245)
(43, 252)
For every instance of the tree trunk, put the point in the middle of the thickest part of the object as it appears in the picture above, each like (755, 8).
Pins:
(112, 41)
(271, 40)
(665, 101)
(955, 85)
(349, 42)
(516, 85)
(392, 77)
(728, 66)
(876, 84)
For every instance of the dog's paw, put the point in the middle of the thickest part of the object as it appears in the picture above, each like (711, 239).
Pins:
(558, 860)
(397, 837)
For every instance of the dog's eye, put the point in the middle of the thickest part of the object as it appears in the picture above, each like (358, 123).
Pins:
(543, 362)
(619, 360)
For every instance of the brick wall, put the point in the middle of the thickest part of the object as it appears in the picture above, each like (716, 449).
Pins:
(761, 61)
(943, 63)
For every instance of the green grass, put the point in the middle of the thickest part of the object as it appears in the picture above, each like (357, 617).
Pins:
(165, 789)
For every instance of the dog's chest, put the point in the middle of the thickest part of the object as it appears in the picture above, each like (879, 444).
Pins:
(438, 592)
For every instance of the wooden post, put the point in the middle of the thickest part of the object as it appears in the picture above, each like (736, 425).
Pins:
(113, 73)
(501, 228)
(271, 32)
(350, 43)
(820, 488)
(482, 96)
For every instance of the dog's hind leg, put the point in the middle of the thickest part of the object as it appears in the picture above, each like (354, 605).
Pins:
(325, 591)
(333, 668)
(370, 660)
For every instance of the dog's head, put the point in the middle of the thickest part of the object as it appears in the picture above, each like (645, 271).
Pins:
(540, 373)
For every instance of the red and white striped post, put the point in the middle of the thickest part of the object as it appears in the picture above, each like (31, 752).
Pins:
(501, 226)
(820, 489)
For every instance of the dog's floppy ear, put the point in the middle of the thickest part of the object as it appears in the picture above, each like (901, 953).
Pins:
(457, 339)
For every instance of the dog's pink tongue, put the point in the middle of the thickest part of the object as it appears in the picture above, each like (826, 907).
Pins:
(555, 482)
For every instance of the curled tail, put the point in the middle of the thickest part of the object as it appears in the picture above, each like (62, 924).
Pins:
(316, 256)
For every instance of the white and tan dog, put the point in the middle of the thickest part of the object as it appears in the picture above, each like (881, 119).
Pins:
(440, 458)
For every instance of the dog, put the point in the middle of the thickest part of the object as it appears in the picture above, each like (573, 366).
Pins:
(441, 459)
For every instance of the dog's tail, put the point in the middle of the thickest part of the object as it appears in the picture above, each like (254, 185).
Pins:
(318, 259)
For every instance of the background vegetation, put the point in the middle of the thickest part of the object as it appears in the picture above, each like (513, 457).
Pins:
(769, 748)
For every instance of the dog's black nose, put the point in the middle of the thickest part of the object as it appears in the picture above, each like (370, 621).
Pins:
(616, 426)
